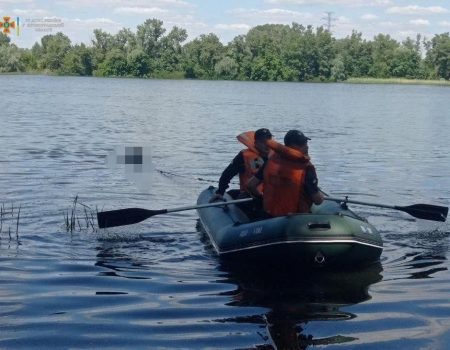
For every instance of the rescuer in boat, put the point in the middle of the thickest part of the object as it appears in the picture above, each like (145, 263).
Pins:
(246, 163)
(289, 177)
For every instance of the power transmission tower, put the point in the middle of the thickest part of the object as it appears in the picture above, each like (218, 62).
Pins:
(329, 19)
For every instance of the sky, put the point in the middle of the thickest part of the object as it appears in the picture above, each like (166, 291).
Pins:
(227, 19)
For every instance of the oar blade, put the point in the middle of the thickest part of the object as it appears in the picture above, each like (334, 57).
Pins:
(123, 217)
(427, 211)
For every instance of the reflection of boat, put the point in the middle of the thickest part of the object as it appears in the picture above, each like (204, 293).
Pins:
(294, 298)
(331, 235)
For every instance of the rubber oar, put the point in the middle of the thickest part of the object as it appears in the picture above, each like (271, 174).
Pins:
(131, 216)
(420, 211)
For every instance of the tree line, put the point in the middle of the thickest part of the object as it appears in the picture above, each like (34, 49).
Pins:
(270, 52)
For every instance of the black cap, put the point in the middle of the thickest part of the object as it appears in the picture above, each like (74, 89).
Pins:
(262, 134)
(295, 137)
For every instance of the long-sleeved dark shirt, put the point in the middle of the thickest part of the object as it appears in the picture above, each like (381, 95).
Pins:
(237, 166)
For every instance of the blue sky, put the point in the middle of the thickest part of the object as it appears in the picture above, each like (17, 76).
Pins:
(78, 19)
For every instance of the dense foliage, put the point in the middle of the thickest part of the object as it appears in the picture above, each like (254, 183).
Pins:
(271, 52)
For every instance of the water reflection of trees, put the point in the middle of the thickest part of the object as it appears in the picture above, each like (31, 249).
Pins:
(294, 298)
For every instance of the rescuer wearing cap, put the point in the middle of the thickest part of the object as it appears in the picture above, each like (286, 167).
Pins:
(289, 177)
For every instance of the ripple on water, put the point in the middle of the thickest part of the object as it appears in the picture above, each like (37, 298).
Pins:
(157, 284)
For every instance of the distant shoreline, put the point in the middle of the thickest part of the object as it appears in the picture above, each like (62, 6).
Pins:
(387, 81)
(397, 81)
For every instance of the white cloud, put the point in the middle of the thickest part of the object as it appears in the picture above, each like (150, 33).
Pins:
(444, 24)
(140, 10)
(407, 34)
(349, 3)
(282, 12)
(233, 27)
(382, 2)
(96, 21)
(178, 3)
(34, 12)
(369, 17)
(420, 22)
(388, 24)
(81, 30)
(288, 2)
(274, 15)
(169, 2)
(227, 32)
(342, 20)
(416, 10)
(142, 3)
(15, 2)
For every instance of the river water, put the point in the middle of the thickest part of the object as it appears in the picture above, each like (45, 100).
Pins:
(158, 284)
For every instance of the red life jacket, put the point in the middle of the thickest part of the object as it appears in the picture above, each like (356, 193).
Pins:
(252, 160)
(284, 180)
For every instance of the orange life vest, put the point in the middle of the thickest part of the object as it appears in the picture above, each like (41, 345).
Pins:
(284, 180)
(252, 160)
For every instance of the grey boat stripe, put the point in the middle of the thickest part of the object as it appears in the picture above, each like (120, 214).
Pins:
(296, 241)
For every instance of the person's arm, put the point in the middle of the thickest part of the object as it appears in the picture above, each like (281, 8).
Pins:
(235, 167)
(253, 183)
(312, 186)
(252, 187)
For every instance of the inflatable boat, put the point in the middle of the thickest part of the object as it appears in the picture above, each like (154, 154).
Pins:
(331, 235)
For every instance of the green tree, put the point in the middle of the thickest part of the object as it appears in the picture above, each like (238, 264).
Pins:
(268, 68)
(338, 69)
(4, 39)
(102, 43)
(301, 54)
(356, 55)
(202, 55)
(11, 59)
(272, 52)
(406, 60)
(124, 40)
(438, 55)
(226, 68)
(325, 48)
(240, 53)
(138, 63)
(171, 50)
(148, 36)
(383, 50)
(78, 61)
(114, 64)
(266, 44)
(52, 51)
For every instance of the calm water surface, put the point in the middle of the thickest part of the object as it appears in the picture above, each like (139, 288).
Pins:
(158, 285)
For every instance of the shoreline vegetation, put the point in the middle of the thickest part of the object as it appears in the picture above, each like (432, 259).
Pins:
(362, 81)
(270, 52)
(396, 81)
